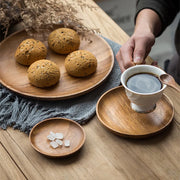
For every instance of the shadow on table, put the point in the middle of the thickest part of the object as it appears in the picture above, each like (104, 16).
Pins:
(68, 159)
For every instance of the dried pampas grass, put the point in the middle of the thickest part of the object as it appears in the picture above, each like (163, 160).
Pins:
(39, 16)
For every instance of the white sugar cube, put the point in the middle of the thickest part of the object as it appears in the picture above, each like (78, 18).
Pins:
(50, 137)
(59, 136)
(67, 143)
(54, 144)
(53, 134)
(59, 142)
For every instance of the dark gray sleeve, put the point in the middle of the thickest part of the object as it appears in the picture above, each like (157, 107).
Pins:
(166, 9)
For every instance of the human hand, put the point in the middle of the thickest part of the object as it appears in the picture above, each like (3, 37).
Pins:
(135, 50)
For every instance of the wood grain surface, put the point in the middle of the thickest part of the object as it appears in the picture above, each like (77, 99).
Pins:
(14, 75)
(114, 112)
(104, 155)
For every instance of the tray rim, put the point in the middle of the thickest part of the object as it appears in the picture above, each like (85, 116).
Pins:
(53, 97)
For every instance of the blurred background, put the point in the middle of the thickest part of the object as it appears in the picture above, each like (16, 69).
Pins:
(122, 12)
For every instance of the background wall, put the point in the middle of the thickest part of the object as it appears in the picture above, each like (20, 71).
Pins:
(122, 12)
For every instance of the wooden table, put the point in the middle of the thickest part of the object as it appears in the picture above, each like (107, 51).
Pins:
(104, 155)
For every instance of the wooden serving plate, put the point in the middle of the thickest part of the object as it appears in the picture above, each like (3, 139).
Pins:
(70, 129)
(14, 75)
(114, 112)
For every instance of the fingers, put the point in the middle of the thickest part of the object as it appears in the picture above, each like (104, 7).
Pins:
(139, 51)
(154, 63)
(142, 48)
(124, 56)
(135, 50)
(120, 61)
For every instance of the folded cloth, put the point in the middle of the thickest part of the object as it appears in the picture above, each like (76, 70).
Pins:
(23, 113)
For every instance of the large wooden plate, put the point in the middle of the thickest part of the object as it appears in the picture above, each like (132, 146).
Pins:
(115, 113)
(14, 75)
(71, 130)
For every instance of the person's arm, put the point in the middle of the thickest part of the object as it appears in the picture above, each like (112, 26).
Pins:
(152, 17)
(166, 9)
(134, 51)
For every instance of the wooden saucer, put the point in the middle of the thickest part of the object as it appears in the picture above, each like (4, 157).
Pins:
(114, 112)
(71, 130)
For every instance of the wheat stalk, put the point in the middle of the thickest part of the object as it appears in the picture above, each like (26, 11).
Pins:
(40, 15)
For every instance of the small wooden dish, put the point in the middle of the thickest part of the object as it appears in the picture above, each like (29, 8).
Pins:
(114, 112)
(71, 130)
(14, 75)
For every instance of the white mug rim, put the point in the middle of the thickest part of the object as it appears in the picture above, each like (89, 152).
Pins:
(137, 66)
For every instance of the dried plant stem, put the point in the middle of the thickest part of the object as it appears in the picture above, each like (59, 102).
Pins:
(40, 15)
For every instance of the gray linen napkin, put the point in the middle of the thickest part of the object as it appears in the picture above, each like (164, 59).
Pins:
(23, 113)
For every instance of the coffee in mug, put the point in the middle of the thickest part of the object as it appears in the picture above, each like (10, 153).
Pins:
(144, 83)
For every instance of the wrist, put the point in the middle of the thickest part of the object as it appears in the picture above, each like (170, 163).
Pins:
(144, 29)
(148, 22)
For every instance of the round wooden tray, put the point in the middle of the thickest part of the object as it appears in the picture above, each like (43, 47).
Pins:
(71, 130)
(14, 75)
(114, 112)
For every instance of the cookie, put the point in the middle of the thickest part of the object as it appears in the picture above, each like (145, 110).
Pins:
(43, 73)
(29, 51)
(80, 63)
(64, 40)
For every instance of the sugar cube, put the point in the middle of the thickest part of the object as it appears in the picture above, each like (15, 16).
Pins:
(53, 134)
(59, 142)
(54, 144)
(67, 143)
(59, 136)
(50, 137)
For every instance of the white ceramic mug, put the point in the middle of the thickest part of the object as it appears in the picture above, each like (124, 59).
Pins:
(142, 102)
